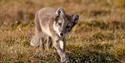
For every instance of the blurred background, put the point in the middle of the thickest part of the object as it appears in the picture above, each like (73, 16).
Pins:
(99, 37)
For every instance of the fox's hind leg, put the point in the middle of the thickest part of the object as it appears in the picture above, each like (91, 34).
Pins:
(48, 42)
(38, 39)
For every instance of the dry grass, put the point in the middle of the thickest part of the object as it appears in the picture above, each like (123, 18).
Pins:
(99, 36)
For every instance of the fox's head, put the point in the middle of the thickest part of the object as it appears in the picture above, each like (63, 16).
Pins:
(64, 23)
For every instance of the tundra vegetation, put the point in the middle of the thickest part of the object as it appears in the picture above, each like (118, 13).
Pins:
(99, 36)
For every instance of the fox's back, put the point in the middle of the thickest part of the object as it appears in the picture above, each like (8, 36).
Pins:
(46, 17)
(47, 13)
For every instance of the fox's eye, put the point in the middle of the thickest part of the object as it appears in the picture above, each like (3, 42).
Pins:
(59, 24)
(67, 26)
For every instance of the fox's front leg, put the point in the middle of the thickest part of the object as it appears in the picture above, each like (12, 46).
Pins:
(62, 44)
(60, 47)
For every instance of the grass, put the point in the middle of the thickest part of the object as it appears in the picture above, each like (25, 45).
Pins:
(98, 37)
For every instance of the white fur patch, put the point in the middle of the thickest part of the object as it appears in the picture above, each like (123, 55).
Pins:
(61, 44)
(56, 29)
(46, 29)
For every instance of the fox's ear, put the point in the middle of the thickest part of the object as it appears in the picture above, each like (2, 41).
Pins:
(75, 18)
(60, 12)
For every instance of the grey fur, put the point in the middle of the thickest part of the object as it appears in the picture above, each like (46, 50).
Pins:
(51, 26)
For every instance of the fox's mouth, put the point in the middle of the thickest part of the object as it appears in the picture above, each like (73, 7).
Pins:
(60, 38)
(60, 34)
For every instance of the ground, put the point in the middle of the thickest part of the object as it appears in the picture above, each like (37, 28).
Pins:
(99, 36)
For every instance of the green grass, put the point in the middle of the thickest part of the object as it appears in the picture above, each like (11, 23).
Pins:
(98, 37)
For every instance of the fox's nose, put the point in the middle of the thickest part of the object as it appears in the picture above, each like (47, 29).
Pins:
(61, 34)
